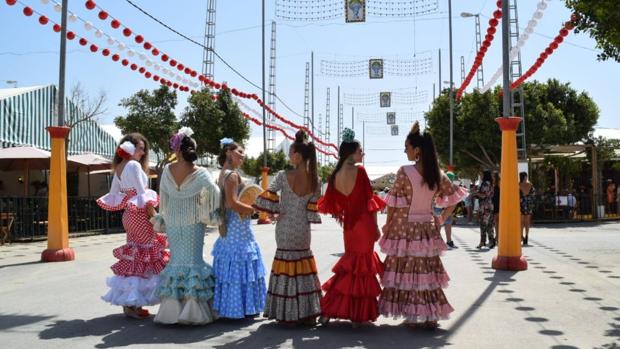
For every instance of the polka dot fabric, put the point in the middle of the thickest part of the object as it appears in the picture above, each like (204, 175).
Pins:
(240, 288)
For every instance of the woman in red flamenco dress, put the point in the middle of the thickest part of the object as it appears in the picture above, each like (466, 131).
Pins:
(352, 292)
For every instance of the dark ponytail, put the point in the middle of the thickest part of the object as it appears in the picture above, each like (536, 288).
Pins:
(308, 154)
(188, 149)
(346, 149)
(431, 174)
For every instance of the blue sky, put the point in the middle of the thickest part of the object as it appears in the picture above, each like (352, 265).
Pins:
(29, 54)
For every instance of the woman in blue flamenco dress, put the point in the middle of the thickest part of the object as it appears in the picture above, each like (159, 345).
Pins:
(189, 200)
(240, 288)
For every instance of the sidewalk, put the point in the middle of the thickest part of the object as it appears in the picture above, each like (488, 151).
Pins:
(569, 298)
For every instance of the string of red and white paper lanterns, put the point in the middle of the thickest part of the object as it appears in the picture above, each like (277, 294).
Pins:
(140, 39)
(484, 47)
(56, 27)
(548, 51)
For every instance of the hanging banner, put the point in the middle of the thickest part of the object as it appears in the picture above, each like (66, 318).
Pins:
(385, 99)
(375, 68)
(390, 118)
(394, 130)
(355, 11)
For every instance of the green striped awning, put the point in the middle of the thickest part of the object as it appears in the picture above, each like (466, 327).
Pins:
(25, 113)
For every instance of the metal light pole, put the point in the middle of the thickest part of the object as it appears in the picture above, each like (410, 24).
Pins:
(263, 218)
(480, 71)
(509, 254)
(58, 249)
(451, 95)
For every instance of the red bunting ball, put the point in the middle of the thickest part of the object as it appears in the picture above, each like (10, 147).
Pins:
(57, 28)
(180, 67)
(133, 66)
(187, 71)
(497, 14)
(558, 39)
(554, 45)
(484, 49)
(548, 50)
(142, 70)
(11, 2)
(564, 32)
(175, 85)
(217, 86)
(103, 15)
(127, 32)
(491, 30)
(124, 62)
(193, 73)
(94, 48)
(164, 57)
(28, 11)
(493, 22)
(83, 42)
(168, 83)
(569, 25)
(105, 52)
(489, 37)
(574, 17)
(147, 75)
(139, 39)
(115, 58)
(155, 52)
(156, 77)
(90, 4)
(173, 62)
(115, 24)
(147, 45)
(43, 20)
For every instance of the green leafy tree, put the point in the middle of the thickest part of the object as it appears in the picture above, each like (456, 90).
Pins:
(325, 171)
(554, 114)
(277, 162)
(151, 113)
(599, 18)
(214, 120)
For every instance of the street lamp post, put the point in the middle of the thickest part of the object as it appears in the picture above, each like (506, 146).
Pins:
(451, 95)
(480, 72)
(263, 218)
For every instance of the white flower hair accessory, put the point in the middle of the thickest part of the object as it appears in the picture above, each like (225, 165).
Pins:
(186, 131)
(175, 141)
(226, 141)
(126, 150)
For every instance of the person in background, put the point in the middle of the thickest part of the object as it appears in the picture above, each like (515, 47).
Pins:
(527, 194)
(485, 197)
(496, 204)
(611, 192)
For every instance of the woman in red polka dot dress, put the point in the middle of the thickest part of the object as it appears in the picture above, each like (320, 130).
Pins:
(136, 274)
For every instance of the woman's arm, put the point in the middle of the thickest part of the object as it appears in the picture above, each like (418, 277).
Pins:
(232, 200)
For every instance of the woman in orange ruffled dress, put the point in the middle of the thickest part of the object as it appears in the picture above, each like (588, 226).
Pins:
(352, 292)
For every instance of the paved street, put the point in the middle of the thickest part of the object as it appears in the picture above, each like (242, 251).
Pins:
(569, 298)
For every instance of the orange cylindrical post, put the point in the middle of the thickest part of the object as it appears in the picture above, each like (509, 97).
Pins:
(58, 249)
(509, 251)
(263, 218)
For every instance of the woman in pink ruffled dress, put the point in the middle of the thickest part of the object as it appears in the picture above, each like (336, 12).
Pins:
(136, 273)
(414, 276)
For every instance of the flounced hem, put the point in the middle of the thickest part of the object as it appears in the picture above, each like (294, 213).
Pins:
(416, 248)
(414, 281)
(234, 301)
(450, 200)
(375, 203)
(182, 282)
(141, 259)
(132, 291)
(338, 306)
(189, 311)
(415, 312)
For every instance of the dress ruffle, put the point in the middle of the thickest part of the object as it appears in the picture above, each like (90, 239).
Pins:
(457, 196)
(132, 291)
(142, 260)
(352, 292)
(415, 306)
(375, 203)
(268, 202)
(396, 201)
(128, 199)
(113, 201)
(417, 248)
(240, 279)
(188, 311)
(182, 282)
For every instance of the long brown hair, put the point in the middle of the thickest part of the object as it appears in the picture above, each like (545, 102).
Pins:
(134, 138)
(431, 174)
(346, 149)
(307, 150)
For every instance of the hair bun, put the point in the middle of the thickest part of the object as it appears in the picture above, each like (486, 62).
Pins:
(301, 137)
(415, 129)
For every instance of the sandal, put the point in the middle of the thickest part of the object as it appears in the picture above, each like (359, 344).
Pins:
(431, 325)
(133, 313)
(323, 320)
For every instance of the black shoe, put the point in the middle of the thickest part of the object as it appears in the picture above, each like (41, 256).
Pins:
(525, 240)
(491, 244)
(450, 244)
